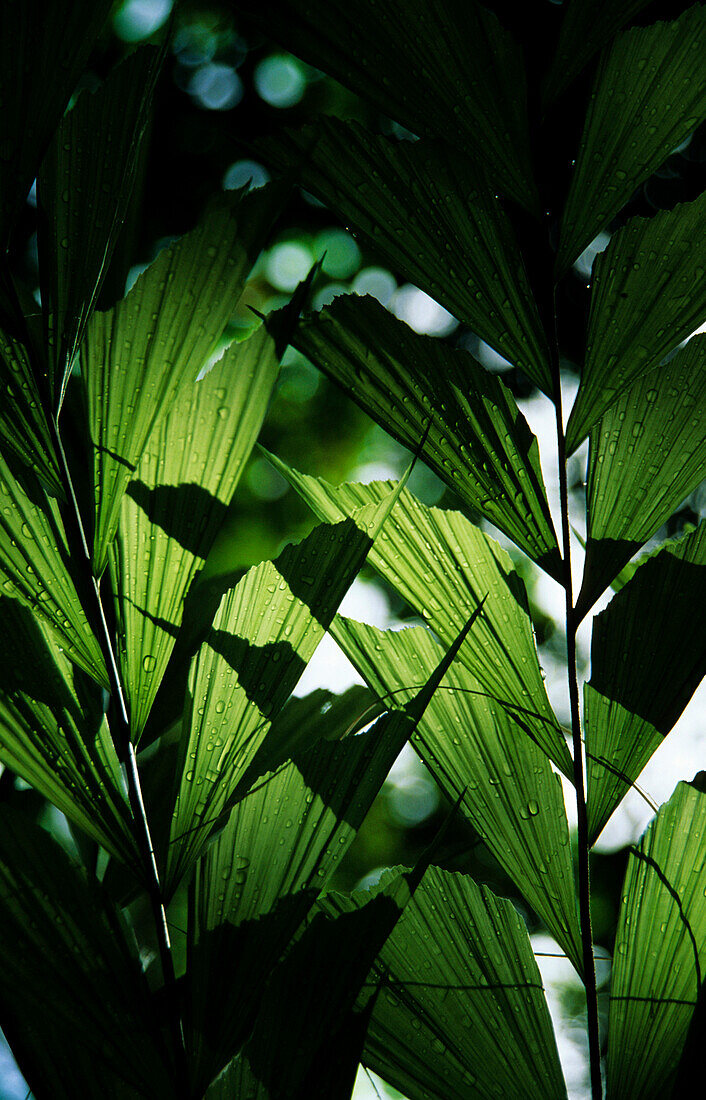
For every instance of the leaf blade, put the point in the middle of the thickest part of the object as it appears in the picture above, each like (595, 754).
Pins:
(476, 439)
(642, 674)
(431, 215)
(660, 950)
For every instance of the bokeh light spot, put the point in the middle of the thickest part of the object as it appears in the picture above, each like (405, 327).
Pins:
(280, 81)
(341, 255)
(245, 172)
(376, 281)
(287, 264)
(138, 19)
(216, 87)
(421, 312)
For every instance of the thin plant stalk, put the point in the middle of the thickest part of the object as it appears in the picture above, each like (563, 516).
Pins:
(126, 754)
(589, 968)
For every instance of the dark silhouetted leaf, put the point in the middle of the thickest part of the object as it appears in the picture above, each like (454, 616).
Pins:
(82, 193)
(647, 658)
(453, 72)
(429, 212)
(44, 46)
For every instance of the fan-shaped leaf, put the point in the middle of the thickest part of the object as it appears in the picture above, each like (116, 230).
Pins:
(649, 94)
(431, 215)
(461, 1012)
(44, 47)
(587, 26)
(647, 658)
(263, 874)
(150, 347)
(477, 441)
(65, 960)
(660, 951)
(649, 293)
(475, 751)
(36, 564)
(83, 192)
(452, 73)
(283, 841)
(24, 430)
(54, 735)
(264, 633)
(173, 510)
(647, 454)
(444, 567)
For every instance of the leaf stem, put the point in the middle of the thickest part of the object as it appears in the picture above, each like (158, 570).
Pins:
(120, 733)
(577, 746)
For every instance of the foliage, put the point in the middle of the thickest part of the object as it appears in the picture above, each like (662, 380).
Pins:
(155, 711)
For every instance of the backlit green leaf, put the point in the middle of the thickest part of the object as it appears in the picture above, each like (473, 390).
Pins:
(429, 212)
(263, 874)
(461, 1013)
(24, 430)
(647, 454)
(477, 752)
(37, 569)
(416, 387)
(150, 347)
(660, 951)
(649, 293)
(54, 735)
(453, 72)
(44, 46)
(444, 567)
(649, 95)
(647, 658)
(83, 192)
(264, 633)
(173, 510)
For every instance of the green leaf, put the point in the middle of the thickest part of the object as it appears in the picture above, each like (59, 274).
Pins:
(443, 567)
(174, 508)
(647, 454)
(140, 355)
(452, 73)
(82, 193)
(461, 1003)
(476, 752)
(587, 26)
(648, 295)
(264, 633)
(37, 568)
(263, 874)
(660, 951)
(53, 733)
(24, 430)
(44, 47)
(66, 959)
(649, 95)
(430, 213)
(647, 659)
(312, 807)
(476, 439)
